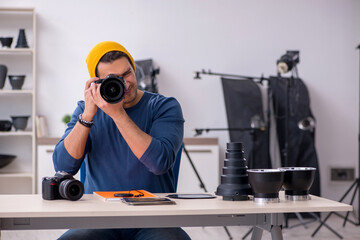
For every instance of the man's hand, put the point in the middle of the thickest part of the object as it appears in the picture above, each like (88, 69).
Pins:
(90, 106)
(111, 109)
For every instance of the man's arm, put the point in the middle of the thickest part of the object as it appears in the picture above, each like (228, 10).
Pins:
(137, 140)
(63, 160)
(75, 142)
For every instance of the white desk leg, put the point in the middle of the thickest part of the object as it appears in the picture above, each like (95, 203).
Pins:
(276, 233)
(256, 233)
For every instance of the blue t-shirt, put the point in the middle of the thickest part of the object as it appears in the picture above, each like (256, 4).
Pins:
(110, 163)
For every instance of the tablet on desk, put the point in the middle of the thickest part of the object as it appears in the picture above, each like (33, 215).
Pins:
(192, 196)
(148, 201)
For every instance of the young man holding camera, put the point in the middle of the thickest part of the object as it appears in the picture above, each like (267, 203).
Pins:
(127, 145)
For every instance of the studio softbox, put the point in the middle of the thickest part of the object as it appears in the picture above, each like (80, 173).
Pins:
(301, 125)
(244, 110)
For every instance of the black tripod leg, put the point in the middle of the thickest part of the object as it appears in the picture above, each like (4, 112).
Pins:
(328, 227)
(202, 185)
(351, 202)
(247, 234)
(327, 217)
(325, 224)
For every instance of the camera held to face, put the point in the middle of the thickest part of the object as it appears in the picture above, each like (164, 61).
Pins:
(112, 88)
(62, 186)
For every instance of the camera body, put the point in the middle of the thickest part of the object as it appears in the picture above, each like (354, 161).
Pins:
(112, 88)
(62, 186)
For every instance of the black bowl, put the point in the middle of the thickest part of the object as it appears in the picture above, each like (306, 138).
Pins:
(266, 184)
(17, 81)
(6, 41)
(5, 125)
(6, 159)
(19, 122)
(298, 181)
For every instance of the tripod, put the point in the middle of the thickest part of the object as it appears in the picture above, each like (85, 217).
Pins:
(355, 185)
(202, 185)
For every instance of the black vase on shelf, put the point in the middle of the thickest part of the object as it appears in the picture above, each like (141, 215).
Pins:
(22, 42)
(3, 73)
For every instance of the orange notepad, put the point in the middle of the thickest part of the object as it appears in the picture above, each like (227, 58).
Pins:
(109, 196)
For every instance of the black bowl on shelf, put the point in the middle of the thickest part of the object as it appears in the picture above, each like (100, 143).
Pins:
(266, 184)
(5, 125)
(6, 159)
(6, 41)
(19, 122)
(297, 182)
(17, 81)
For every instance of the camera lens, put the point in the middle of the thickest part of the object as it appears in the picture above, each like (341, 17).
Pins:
(112, 89)
(71, 189)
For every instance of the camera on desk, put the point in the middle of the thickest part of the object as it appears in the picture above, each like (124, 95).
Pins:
(62, 186)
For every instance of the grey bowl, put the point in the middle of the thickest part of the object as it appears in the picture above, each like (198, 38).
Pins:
(19, 122)
(6, 159)
(17, 81)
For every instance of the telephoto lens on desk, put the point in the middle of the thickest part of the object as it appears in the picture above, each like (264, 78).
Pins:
(234, 180)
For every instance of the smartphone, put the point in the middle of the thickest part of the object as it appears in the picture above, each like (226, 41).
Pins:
(148, 201)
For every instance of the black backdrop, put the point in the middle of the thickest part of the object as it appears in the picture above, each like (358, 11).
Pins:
(243, 101)
(301, 144)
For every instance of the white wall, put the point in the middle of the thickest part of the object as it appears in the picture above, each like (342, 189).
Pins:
(240, 37)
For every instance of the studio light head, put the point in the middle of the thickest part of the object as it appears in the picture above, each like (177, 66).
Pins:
(288, 61)
(307, 124)
(257, 123)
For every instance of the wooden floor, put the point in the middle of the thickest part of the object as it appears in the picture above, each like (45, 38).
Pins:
(214, 233)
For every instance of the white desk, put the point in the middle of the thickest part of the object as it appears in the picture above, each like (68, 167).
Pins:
(32, 212)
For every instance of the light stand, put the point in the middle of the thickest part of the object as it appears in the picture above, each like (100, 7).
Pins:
(355, 185)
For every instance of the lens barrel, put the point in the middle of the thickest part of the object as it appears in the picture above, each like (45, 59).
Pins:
(234, 180)
(112, 88)
(71, 189)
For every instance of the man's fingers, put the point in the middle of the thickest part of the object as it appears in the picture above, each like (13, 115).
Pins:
(90, 81)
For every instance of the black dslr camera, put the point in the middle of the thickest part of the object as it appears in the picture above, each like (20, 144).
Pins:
(62, 186)
(112, 88)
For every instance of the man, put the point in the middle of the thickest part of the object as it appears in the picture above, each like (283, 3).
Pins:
(127, 145)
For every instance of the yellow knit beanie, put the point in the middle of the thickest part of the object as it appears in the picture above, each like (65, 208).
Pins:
(100, 50)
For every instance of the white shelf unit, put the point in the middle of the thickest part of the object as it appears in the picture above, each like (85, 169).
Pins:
(19, 177)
